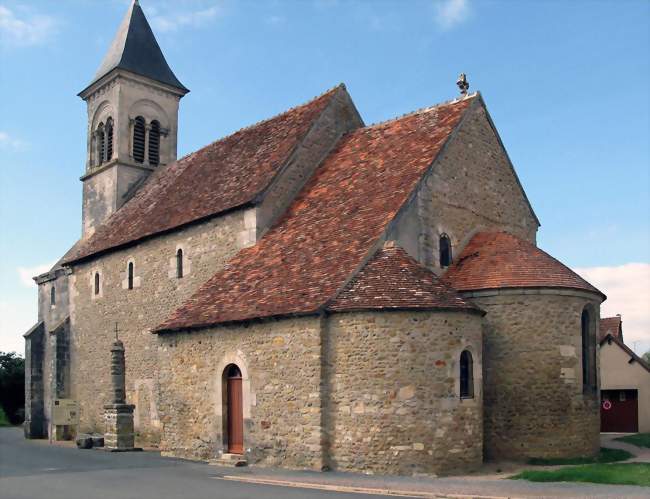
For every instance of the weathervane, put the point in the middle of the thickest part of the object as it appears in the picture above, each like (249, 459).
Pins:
(462, 83)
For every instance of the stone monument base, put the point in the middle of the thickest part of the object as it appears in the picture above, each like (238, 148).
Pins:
(119, 436)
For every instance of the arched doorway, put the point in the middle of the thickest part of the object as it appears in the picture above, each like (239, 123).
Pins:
(234, 412)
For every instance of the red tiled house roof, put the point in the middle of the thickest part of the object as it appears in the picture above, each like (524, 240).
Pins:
(331, 227)
(229, 173)
(495, 260)
(393, 280)
(611, 325)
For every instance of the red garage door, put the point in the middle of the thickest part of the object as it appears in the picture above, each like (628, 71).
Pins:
(619, 411)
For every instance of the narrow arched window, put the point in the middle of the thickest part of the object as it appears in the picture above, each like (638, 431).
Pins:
(588, 351)
(109, 139)
(101, 143)
(53, 296)
(138, 139)
(154, 143)
(179, 263)
(130, 275)
(96, 283)
(445, 250)
(466, 375)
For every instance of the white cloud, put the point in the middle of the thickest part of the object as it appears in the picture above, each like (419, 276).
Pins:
(31, 29)
(450, 13)
(16, 317)
(175, 21)
(9, 142)
(27, 273)
(628, 293)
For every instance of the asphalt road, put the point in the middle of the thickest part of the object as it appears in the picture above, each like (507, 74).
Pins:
(36, 470)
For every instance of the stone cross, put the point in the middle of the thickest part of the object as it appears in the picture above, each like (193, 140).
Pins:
(118, 414)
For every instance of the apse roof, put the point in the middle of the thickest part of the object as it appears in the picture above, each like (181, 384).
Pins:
(495, 260)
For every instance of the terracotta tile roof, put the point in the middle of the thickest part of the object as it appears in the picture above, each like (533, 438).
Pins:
(330, 227)
(393, 280)
(226, 174)
(610, 325)
(493, 260)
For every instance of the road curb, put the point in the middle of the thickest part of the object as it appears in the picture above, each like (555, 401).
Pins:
(355, 489)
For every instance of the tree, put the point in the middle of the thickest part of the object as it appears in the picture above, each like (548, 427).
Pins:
(12, 386)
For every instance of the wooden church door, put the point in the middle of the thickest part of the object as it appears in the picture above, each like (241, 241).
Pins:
(235, 412)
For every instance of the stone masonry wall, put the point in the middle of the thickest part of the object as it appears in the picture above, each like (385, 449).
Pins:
(281, 370)
(392, 392)
(54, 360)
(534, 400)
(471, 188)
(156, 293)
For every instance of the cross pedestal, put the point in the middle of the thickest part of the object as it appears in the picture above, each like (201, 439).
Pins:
(119, 435)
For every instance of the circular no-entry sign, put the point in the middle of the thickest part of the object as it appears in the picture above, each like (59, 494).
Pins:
(607, 405)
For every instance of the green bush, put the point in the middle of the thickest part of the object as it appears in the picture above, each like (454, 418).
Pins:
(3, 418)
(12, 386)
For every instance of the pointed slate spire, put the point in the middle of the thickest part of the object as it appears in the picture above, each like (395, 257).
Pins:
(135, 49)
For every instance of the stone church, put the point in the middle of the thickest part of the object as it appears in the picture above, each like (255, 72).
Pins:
(311, 291)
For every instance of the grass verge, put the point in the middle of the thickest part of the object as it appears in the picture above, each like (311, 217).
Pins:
(604, 456)
(639, 439)
(3, 418)
(613, 474)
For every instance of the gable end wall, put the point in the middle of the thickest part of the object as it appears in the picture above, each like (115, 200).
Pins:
(470, 188)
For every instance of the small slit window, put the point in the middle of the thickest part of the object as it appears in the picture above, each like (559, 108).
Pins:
(96, 287)
(588, 352)
(53, 296)
(109, 139)
(154, 143)
(138, 139)
(130, 275)
(445, 251)
(466, 375)
(179, 263)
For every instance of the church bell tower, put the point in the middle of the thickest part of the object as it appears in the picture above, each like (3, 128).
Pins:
(132, 119)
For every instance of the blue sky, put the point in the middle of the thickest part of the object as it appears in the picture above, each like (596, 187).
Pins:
(565, 82)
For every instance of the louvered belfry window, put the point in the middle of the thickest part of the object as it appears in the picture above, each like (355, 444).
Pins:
(109, 139)
(154, 143)
(101, 144)
(138, 139)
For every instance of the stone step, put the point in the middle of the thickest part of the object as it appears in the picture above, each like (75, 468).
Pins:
(234, 460)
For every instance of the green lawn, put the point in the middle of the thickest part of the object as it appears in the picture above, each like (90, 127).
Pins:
(640, 439)
(604, 456)
(615, 474)
(3, 418)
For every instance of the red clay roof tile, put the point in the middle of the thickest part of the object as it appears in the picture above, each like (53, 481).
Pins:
(224, 175)
(493, 260)
(393, 280)
(610, 325)
(330, 227)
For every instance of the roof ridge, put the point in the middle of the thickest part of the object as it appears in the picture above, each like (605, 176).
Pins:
(421, 110)
(265, 120)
